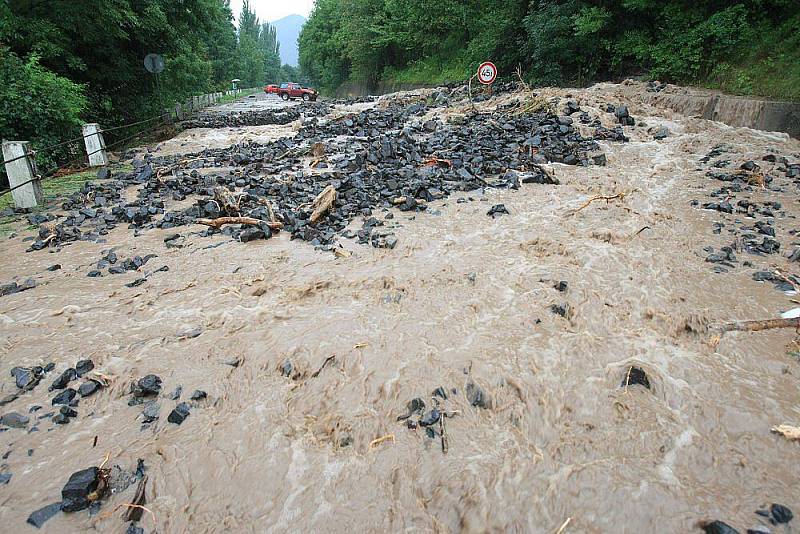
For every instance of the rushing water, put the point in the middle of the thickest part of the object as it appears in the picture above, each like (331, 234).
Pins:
(463, 297)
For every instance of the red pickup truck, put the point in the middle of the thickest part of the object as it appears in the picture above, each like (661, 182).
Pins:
(289, 91)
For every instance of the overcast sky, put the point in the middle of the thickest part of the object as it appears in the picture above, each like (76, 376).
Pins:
(271, 10)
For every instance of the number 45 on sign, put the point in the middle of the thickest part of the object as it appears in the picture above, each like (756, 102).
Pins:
(487, 72)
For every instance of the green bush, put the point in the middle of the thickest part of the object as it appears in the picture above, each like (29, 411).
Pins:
(37, 105)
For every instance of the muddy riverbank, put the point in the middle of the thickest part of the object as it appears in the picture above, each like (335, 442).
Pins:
(463, 298)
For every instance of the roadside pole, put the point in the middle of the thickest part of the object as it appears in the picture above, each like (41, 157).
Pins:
(95, 145)
(22, 170)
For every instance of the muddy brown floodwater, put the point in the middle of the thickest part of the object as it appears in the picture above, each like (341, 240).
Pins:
(462, 298)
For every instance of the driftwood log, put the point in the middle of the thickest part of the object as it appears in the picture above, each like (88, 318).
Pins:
(221, 221)
(755, 326)
(323, 203)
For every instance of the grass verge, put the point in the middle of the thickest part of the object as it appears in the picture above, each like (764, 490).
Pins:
(55, 189)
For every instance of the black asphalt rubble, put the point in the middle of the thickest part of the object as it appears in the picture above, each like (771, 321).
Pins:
(375, 160)
(751, 226)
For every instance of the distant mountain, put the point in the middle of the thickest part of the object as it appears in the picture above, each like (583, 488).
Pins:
(288, 32)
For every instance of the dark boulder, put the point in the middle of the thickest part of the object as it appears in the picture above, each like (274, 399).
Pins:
(14, 420)
(42, 515)
(64, 379)
(147, 386)
(65, 397)
(83, 367)
(179, 414)
(75, 495)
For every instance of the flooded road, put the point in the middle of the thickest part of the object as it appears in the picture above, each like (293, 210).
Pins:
(463, 299)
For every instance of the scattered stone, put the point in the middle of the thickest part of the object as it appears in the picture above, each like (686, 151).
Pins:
(780, 513)
(11, 397)
(198, 395)
(151, 411)
(64, 379)
(634, 376)
(175, 395)
(147, 386)
(765, 228)
(430, 418)
(661, 133)
(749, 166)
(439, 392)
(42, 515)
(54, 267)
(134, 529)
(623, 116)
(414, 406)
(287, 368)
(60, 419)
(75, 495)
(383, 240)
(497, 210)
(67, 411)
(13, 287)
(27, 378)
(560, 309)
(233, 362)
(65, 397)
(718, 527)
(5, 478)
(179, 414)
(83, 367)
(14, 420)
(476, 395)
(89, 388)
(191, 334)
(561, 286)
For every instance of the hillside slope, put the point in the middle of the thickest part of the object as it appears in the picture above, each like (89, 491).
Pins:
(288, 31)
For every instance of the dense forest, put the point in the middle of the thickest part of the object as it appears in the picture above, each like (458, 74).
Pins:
(65, 62)
(749, 46)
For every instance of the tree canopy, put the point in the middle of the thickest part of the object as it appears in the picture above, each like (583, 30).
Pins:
(70, 61)
(751, 45)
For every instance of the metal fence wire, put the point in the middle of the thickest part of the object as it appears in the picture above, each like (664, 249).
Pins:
(186, 110)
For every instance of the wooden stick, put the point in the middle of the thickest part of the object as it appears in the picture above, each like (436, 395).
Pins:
(326, 362)
(221, 221)
(755, 326)
(134, 513)
(323, 203)
(445, 444)
(600, 197)
(377, 441)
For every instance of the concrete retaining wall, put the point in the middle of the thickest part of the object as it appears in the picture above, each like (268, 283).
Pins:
(733, 110)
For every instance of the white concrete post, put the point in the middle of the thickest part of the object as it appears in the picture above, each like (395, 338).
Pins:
(95, 145)
(22, 171)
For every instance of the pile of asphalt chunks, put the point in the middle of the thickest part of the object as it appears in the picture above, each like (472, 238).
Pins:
(376, 159)
(212, 119)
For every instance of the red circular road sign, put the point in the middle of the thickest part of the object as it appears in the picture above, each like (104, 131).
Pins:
(487, 72)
